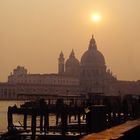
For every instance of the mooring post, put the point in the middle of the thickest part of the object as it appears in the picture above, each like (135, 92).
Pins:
(41, 122)
(64, 120)
(46, 122)
(25, 121)
(79, 121)
(10, 118)
(69, 118)
(33, 126)
(96, 118)
(57, 118)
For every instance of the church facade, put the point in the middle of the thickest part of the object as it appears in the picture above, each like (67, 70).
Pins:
(74, 77)
(91, 70)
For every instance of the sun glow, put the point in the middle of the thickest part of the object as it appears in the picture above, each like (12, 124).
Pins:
(96, 17)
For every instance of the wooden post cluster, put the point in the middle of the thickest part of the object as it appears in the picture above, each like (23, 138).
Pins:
(97, 118)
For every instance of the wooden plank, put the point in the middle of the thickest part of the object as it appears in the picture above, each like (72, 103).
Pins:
(114, 132)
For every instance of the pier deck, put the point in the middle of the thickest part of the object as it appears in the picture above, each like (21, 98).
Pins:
(113, 133)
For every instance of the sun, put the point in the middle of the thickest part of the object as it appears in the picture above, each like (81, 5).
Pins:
(96, 18)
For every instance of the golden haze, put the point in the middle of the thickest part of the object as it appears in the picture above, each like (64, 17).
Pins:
(32, 34)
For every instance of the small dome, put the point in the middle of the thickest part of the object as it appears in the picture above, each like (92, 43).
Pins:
(72, 61)
(92, 57)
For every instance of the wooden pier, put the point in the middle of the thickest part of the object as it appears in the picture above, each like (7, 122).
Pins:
(42, 111)
(73, 119)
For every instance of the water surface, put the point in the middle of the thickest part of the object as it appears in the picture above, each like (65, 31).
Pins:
(3, 113)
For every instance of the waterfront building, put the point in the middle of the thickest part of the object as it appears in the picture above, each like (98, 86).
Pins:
(21, 84)
(74, 77)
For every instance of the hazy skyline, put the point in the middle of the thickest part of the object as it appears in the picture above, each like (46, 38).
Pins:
(33, 33)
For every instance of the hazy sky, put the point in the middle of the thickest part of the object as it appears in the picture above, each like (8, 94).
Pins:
(33, 32)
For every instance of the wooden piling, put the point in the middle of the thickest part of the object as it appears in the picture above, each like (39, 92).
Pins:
(64, 120)
(33, 127)
(79, 122)
(41, 123)
(25, 121)
(10, 118)
(46, 122)
(96, 118)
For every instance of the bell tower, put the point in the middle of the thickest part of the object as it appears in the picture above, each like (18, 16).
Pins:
(61, 60)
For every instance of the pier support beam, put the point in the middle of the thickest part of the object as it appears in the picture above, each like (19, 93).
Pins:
(96, 118)
(25, 122)
(79, 122)
(64, 120)
(46, 122)
(10, 118)
(33, 126)
(41, 122)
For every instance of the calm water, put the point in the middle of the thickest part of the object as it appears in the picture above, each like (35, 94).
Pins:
(16, 118)
(3, 113)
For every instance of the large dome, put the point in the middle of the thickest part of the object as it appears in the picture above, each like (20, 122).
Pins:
(92, 57)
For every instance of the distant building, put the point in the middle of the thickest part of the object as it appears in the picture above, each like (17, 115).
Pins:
(90, 75)
(20, 76)
(24, 84)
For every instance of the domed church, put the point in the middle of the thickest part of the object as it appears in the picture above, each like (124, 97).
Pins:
(74, 77)
(91, 71)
